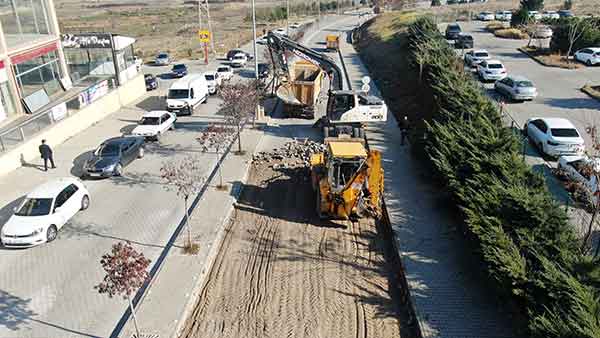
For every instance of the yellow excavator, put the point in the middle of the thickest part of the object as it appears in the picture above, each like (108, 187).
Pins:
(348, 179)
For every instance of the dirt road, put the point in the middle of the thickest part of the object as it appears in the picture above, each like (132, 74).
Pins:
(282, 272)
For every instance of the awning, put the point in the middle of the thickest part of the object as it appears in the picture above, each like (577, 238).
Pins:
(122, 41)
(20, 58)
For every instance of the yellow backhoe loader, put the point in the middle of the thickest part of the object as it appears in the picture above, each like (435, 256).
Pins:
(348, 179)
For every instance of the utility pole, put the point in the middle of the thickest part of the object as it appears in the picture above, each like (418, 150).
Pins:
(318, 13)
(212, 36)
(287, 18)
(254, 40)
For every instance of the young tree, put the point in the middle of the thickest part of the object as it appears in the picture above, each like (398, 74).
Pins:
(532, 5)
(568, 4)
(184, 176)
(576, 28)
(125, 273)
(239, 105)
(216, 138)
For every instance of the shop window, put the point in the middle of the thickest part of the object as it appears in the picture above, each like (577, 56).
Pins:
(92, 62)
(39, 73)
(24, 20)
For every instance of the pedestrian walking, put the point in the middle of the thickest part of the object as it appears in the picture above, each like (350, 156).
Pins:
(46, 154)
(404, 127)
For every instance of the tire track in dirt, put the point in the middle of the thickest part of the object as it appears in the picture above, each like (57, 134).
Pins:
(282, 272)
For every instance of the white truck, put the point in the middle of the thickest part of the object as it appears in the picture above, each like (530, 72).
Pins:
(186, 94)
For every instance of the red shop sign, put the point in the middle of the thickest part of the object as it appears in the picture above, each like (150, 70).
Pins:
(1, 64)
(33, 53)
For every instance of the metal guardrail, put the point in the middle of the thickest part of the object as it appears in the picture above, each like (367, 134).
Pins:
(16, 135)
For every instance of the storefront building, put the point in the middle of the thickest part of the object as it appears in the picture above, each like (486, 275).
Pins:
(33, 72)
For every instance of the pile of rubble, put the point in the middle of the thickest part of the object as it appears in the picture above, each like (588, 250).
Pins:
(293, 154)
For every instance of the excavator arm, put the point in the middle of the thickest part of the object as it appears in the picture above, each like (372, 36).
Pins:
(279, 45)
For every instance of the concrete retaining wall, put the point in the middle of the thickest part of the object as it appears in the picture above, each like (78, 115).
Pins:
(76, 123)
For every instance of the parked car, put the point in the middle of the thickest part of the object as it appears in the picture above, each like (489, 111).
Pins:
(486, 16)
(162, 59)
(280, 31)
(225, 73)
(151, 82)
(464, 41)
(264, 69)
(179, 70)
(261, 40)
(554, 136)
(239, 60)
(474, 57)
(113, 155)
(503, 15)
(491, 70)
(212, 80)
(154, 124)
(543, 32)
(550, 15)
(295, 25)
(186, 94)
(535, 15)
(234, 52)
(565, 13)
(590, 56)
(580, 168)
(453, 31)
(44, 211)
(516, 88)
(138, 62)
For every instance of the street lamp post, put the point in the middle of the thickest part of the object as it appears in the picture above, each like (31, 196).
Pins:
(254, 40)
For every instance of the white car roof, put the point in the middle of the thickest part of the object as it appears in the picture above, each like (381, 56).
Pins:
(556, 122)
(52, 188)
(240, 54)
(210, 72)
(154, 113)
(594, 49)
(494, 62)
(184, 82)
(480, 51)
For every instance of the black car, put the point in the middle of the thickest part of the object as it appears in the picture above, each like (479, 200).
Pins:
(565, 13)
(453, 31)
(179, 70)
(263, 70)
(232, 53)
(464, 41)
(151, 82)
(113, 155)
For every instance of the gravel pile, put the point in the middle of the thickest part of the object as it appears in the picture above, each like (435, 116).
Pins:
(293, 154)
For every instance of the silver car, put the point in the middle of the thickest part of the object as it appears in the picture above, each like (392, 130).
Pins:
(474, 57)
(516, 88)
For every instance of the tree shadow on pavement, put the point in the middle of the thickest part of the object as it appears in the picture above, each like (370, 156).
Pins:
(73, 230)
(78, 162)
(573, 103)
(8, 210)
(16, 314)
(154, 102)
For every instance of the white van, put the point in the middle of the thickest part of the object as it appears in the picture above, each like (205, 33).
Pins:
(186, 93)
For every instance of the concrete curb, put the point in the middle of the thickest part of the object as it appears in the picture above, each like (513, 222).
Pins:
(211, 257)
(587, 90)
(534, 58)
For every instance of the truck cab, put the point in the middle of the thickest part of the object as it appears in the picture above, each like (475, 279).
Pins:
(346, 106)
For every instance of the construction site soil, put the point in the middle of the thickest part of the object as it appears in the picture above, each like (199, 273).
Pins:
(283, 272)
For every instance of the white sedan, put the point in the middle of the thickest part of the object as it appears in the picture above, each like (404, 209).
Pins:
(554, 136)
(590, 56)
(213, 81)
(239, 60)
(491, 70)
(155, 123)
(44, 211)
(225, 73)
(486, 16)
(474, 57)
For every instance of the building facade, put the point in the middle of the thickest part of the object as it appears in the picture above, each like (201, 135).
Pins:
(32, 65)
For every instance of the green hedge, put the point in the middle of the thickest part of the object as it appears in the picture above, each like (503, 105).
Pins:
(522, 236)
(560, 36)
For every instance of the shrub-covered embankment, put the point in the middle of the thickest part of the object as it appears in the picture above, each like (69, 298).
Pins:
(520, 234)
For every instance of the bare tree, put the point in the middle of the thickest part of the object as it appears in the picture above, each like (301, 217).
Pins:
(184, 176)
(125, 273)
(590, 171)
(577, 26)
(216, 138)
(239, 105)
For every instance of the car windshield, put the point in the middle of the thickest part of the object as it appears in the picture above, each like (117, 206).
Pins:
(178, 94)
(35, 207)
(494, 66)
(481, 55)
(150, 121)
(454, 28)
(466, 37)
(238, 57)
(148, 77)
(162, 56)
(524, 84)
(178, 67)
(564, 132)
(209, 77)
(109, 149)
(222, 69)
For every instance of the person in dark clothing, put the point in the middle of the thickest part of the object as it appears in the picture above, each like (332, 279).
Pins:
(404, 127)
(46, 153)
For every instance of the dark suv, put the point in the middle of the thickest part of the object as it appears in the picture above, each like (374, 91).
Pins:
(464, 41)
(453, 31)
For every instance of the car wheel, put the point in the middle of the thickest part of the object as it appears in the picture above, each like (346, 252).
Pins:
(51, 233)
(141, 152)
(157, 137)
(85, 202)
(541, 147)
(172, 126)
(118, 170)
(589, 62)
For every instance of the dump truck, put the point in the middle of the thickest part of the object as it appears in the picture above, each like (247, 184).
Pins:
(332, 42)
(347, 179)
(301, 92)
